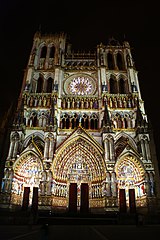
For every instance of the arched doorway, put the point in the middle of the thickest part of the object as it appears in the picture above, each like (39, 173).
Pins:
(131, 183)
(26, 180)
(79, 167)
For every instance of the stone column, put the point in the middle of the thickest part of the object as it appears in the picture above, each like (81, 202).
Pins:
(11, 149)
(46, 148)
(111, 148)
(148, 154)
(113, 184)
(143, 149)
(51, 148)
(108, 184)
(106, 149)
(15, 148)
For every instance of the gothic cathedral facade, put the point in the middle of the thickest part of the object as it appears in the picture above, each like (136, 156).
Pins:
(80, 139)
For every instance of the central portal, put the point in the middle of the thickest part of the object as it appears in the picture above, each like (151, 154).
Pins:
(73, 198)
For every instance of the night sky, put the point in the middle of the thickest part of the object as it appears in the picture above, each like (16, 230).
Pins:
(87, 24)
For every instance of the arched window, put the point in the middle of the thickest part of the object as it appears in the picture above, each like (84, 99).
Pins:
(110, 61)
(82, 122)
(52, 52)
(33, 119)
(87, 123)
(125, 122)
(39, 85)
(120, 62)
(67, 123)
(92, 123)
(49, 85)
(77, 122)
(42, 121)
(119, 122)
(96, 123)
(43, 52)
(122, 86)
(113, 85)
(72, 122)
(63, 123)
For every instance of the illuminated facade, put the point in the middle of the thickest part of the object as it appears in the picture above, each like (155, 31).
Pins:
(80, 140)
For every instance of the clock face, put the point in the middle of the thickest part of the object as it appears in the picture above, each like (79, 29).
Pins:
(80, 86)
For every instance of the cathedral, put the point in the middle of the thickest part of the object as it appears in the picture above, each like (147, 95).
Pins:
(80, 140)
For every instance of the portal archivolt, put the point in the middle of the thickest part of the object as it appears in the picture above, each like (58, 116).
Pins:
(79, 160)
(131, 176)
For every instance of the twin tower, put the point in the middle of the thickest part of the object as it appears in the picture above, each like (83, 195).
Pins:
(80, 140)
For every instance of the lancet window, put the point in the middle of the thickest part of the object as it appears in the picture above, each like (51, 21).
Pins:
(113, 85)
(39, 85)
(49, 85)
(52, 52)
(87, 122)
(122, 88)
(121, 120)
(120, 63)
(110, 61)
(43, 52)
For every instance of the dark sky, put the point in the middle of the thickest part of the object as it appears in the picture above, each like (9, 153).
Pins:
(87, 24)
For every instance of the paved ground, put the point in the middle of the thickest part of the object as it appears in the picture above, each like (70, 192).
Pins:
(21, 226)
(77, 232)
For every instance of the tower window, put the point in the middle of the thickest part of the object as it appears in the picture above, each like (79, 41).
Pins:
(122, 86)
(120, 62)
(113, 85)
(110, 61)
(49, 85)
(43, 52)
(52, 52)
(39, 85)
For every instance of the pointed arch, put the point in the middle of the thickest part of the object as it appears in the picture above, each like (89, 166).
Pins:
(79, 150)
(130, 174)
(36, 135)
(25, 161)
(43, 52)
(49, 85)
(130, 167)
(39, 85)
(113, 84)
(27, 171)
(52, 52)
(121, 86)
(120, 61)
(110, 61)
(125, 137)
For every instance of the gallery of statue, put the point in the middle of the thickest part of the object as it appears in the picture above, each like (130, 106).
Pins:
(80, 140)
